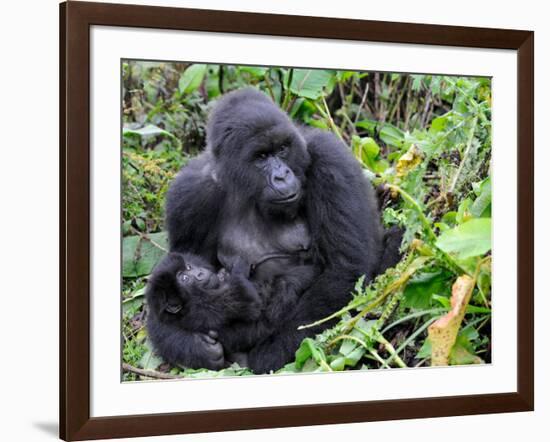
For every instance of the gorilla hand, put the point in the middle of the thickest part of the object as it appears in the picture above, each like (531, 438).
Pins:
(210, 349)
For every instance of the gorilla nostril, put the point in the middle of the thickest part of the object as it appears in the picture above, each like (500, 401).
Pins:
(282, 175)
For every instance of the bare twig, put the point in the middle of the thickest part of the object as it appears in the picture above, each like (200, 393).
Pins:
(147, 238)
(268, 84)
(397, 104)
(325, 112)
(220, 79)
(149, 373)
(286, 100)
(465, 156)
(363, 99)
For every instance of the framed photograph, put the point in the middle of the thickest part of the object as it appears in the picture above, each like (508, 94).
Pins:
(274, 220)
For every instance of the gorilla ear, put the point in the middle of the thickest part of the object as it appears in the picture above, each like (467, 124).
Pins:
(171, 303)
(164, 292)
(216, 138)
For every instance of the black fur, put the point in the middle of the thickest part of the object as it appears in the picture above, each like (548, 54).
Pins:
(202, 306)
(223, 204)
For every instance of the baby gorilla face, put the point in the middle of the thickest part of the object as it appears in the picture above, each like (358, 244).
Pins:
(192, 276)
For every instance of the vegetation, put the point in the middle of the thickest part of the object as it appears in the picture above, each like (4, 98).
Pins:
(424, 141)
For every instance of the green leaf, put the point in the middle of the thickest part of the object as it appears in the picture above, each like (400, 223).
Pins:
(417, 82)
(481, 205)
(311, 83)
(462, 356)
(309, 350)
(420, 289)
(132, 304)
(191, 78)
(369, 125)
(472, 238)
(464, 213)
(438, 124)
(141, 254)
(392, 135)
(150, 361)
(425, 351)
(253, 70)
(149, 130)
(367, 152)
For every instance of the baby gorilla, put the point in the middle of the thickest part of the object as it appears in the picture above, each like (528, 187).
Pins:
(185, 293)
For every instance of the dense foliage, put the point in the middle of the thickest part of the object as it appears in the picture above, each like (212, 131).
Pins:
(425, 142)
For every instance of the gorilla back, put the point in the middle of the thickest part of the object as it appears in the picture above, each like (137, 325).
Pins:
(292, 201)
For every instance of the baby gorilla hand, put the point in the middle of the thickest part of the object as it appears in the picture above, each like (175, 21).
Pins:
(211, 350)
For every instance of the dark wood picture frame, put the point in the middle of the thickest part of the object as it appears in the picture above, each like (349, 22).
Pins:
(75, 21)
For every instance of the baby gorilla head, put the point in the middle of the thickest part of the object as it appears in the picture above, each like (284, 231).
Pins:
(185, 289)
(179, 278)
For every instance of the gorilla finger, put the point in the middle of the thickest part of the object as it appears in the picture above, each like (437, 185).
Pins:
(208, 339)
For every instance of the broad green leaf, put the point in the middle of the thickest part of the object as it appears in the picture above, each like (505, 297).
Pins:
(462, 356)
(426, 350)
(472, 238)
(338, 364)
(132, 304)
(367, 152)
(343, 76)
(369, 125)
(446, 302)
(253, 70)
(191, 78)
(309, 349)
(438, 124)
(311, 83)
(482, 204)
(417, 82)
(449, 218)
(463, 214)
(392, 135)
(141, 254)
(420, 289)
(150, 361)
(149, 130)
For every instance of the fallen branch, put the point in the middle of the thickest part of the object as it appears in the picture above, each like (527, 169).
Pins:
(147, 238)
(149, 373)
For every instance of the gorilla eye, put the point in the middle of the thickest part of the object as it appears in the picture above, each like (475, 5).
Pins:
(262, 155)
(283, 149)
(182, 277)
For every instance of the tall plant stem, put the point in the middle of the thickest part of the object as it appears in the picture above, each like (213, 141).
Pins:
(465, 156)
(416, 207)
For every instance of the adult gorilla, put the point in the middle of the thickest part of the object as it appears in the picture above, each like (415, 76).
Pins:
(293, 202)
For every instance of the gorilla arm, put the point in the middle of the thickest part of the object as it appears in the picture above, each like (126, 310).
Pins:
(346, 239)
(193, 204)
(181, 347)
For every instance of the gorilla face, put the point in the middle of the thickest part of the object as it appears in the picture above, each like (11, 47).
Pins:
(260, 155)
(179, 277)
(278, 185)
(191, 277)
